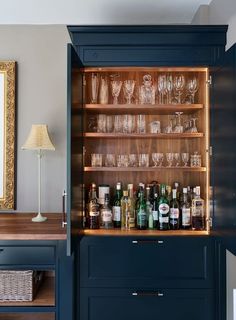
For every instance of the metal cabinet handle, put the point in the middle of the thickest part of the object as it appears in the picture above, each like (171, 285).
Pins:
(147, 241)
(64, 195)
(148, 294)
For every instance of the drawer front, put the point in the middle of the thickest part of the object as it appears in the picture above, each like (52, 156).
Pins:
(165, 304)
(18, 255)
(173, 262)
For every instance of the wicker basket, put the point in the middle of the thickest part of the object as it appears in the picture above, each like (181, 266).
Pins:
(19, 285)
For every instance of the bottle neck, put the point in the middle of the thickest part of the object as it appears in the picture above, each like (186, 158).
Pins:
(93, 194)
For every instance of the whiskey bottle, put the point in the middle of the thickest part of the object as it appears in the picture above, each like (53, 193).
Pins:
(198, 218)
(93, 209)
(116, 209)
(174, 212)
(106, 214)
(185, 211)
(163, 209)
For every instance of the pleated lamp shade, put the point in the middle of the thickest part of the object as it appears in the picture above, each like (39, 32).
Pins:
(38, 138)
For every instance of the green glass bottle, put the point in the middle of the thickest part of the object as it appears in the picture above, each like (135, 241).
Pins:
(174, 211)
(141, 212)
(116, 208)
(164, 210)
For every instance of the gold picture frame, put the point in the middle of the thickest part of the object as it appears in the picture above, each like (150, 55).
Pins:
(7, 134)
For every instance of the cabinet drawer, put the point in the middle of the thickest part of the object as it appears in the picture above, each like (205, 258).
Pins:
(18, 255)
(169, 304)
(173, 262)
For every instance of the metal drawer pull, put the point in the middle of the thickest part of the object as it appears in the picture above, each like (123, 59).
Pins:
(147, 241)
(148, 294)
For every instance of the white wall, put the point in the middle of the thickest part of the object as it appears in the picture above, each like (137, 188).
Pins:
(40, 52)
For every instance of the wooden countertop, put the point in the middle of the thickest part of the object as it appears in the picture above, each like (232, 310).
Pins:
(18, 226)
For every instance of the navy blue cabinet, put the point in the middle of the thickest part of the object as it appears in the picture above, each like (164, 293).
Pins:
(159, 303)
(170, 262)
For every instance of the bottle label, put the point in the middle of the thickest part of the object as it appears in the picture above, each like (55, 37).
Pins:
(93, 213)
(141, 218)
(116, 212)
(106, 216)
(164, 219)
(155, 215)
(93, 209)
(186, 217)
(198, 208)
(164, 208)
(174, 213)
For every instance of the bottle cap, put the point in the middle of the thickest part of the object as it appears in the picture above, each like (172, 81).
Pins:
(93, 185)
(185, 190)
(118, 186)
(125, 193)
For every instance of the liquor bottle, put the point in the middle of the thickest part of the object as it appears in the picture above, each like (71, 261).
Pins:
(93, 208)
(174, 212)
(178, 193)
(163, 209)
(116, 209)
(168, 191)
(125, 212)
(198, 218)
(149, 208)
(185, 211)
(140, 188)
(155, 207)
(132, 222)
(106, 214)
(141, 212)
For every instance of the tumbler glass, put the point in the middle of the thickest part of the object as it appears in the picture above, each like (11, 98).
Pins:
(110, 160)
(96, 160)
(143, 160)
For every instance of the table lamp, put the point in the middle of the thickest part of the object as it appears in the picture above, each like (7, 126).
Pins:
(39, 140)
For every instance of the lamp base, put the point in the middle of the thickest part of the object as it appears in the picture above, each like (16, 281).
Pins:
(39, 218)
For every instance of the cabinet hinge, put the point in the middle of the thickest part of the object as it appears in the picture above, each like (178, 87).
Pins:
(210, 151)
(209, 81)
(84, 80)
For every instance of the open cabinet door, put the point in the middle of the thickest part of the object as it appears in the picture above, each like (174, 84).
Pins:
(223, 133)
(74, 207)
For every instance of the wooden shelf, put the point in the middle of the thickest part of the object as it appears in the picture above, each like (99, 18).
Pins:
(141, 169)
(27, 316)
(142, 69)
(155, 233)
(45, 296)
(143, 136)
(142, 108)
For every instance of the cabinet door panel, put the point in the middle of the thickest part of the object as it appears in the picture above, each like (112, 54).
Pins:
(166, 261)
(116, 304)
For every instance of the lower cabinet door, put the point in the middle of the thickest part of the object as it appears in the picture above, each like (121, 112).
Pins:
(162, 304)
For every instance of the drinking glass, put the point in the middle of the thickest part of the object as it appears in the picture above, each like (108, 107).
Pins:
(192, 87)
(133, 160)
(109, 123)
(162, 88)
(128, 88)
(122, 160)
(118, 124)
(177, 159)
(178, 128)
(92, 124)
(169, 88)
(116, 87)
(128, 123)
(147, 91)
(160, 159)
(155, 127)
(96, 160)
(156, 159)
(101, 123)
(169, 158)
(193, 128)
(179, 82)
(185, 158)
(94, 87)
(141, 123)
(143, 160)
(110, 160)
(103, 92)
(195, 160)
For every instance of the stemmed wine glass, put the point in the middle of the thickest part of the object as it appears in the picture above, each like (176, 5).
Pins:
(128, 88)
(161, 86)
(193, 129)
(157, 159)
(177, 159)
(185, 158)
(192, 87)
(170, 158)
(178, 128)
(179, 82)
(116, 87)
(169, 88)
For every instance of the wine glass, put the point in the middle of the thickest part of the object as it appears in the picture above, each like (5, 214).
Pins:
(185, 158)
(178, 128)
(170, 158)
(116, 87)
(169, 88)
(179, 82)
(193, 129)
(94, 87)
(128, 88)
(177, 159)
(155, 159)
(192, 87)
(161, 86)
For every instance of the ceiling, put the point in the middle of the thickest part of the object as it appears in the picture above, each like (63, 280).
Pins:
(99, 11)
